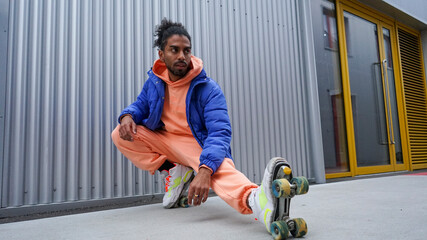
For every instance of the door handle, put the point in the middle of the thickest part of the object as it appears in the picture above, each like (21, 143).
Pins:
(387, 100)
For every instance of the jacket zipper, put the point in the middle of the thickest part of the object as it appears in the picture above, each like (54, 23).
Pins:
(195, 135)
(189, 119)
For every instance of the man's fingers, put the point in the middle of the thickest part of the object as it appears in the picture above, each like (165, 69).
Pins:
(196, 200)
(126, 130)
(190, 195)
(199, 188)
(134, 127)
(205, 196)
(200, 196)
(127, 137)
(195, 196)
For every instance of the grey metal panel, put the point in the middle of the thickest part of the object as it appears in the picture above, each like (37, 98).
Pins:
(74, 65)
(4, 31)
(414, 8)
(314, 134)
(410, 13)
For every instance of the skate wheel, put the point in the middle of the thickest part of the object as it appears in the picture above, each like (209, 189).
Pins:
(281, 188)
(279, 230)
(300, 227)
(301, 184)
(183, 202)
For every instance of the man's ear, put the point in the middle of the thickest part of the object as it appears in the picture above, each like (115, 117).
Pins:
(161, 56)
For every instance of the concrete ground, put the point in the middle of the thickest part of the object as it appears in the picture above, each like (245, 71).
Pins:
(390, 207)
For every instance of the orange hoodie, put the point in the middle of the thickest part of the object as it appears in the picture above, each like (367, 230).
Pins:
(174, 110)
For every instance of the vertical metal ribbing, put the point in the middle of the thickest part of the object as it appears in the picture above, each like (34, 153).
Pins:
(298, 93)
(138, 73)
(72, 104)
(85, 103)
(230, 77)
(313, 137)
(291, 154)
(31, 167)
(118, 90)
(4, 32)
(252, 149)
(108, 100)
(96, 155)
(281, 66)
(240, 86)
(59, 156)
(148, 26)
(7, 196)
(129, 77)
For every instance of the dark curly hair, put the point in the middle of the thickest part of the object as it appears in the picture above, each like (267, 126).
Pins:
(165, 30)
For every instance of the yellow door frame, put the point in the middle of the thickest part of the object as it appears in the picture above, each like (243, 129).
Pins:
(386, 92)
(381, 21)
(408, 163)
(401, 106)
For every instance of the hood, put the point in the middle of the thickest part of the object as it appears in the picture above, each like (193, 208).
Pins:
(161, 71)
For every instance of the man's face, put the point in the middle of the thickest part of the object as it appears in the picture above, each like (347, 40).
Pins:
(177, 56)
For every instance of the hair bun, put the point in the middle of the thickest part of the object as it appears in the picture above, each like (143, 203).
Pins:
(165, 30)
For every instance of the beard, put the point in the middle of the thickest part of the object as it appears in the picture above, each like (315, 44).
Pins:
(177, 72)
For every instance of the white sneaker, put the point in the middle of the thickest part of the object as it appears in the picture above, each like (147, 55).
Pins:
(261, 200)
(177, 179)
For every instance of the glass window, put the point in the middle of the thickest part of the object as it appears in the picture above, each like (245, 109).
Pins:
(392, 91)
(330, 86)
(367, 91)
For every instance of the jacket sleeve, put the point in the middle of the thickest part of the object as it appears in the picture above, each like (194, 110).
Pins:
(218, 125)
(138, 109)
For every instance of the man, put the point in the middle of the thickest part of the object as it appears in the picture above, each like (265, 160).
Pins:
(180, 119)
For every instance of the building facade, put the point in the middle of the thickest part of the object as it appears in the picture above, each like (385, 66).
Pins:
(336, 87)
(372, 88)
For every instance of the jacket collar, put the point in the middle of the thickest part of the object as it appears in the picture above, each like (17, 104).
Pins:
(198, 79)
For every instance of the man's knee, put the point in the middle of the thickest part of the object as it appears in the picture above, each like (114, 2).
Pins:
(115, 135)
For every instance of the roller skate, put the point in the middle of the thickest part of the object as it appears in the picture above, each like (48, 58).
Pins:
(270, 202)
(177, 180)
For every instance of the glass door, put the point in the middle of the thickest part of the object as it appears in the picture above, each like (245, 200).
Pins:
(389, 79)
(372, 94)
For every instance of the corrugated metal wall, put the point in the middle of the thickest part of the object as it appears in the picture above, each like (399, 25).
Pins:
(73, 65)
(4, 6)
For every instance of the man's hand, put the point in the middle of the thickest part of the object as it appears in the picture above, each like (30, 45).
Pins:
(199, 187)
(127, 128)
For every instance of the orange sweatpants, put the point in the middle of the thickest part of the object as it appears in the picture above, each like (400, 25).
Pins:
(149, 151)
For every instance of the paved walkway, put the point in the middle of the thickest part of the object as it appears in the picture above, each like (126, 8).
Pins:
(393, 207)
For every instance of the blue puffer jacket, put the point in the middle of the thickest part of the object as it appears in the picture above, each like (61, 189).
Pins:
(207, 115)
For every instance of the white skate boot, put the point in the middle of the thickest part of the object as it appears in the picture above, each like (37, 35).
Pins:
(270, 202)
(261, 200)
(177, 180)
